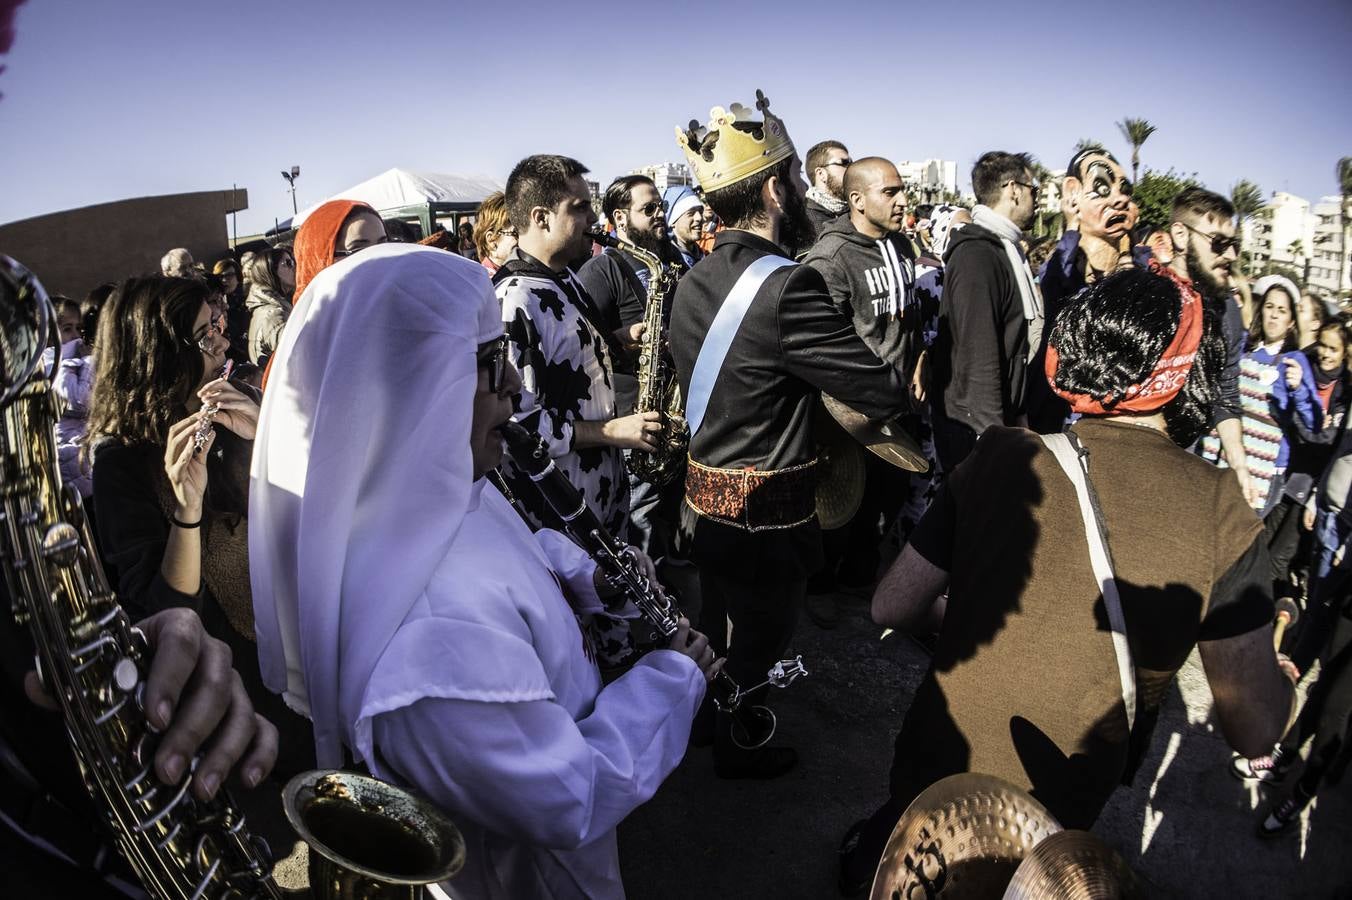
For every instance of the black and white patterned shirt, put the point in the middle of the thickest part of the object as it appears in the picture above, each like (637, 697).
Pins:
(566, 377)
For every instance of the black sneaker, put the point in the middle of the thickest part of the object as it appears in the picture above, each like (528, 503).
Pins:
(1283, 816)
(851, 885)
(1270, 769)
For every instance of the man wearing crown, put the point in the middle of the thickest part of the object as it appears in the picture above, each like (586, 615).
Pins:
(755, 339)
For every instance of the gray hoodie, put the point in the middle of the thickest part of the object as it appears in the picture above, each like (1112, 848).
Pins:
(873, 282)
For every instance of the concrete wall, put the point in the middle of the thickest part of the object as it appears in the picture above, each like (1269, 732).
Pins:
(78, 249)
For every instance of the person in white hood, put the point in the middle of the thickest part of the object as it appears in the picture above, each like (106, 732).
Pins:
(404, 606)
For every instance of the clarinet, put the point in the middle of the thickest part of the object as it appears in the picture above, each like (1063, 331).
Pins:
(756, 723)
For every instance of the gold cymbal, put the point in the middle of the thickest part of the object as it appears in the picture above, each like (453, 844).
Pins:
(888, 440)
(1074, 865)
(963, 837)
(840, 475)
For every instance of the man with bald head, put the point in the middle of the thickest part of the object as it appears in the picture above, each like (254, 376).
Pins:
(869, 265)
(869, 268)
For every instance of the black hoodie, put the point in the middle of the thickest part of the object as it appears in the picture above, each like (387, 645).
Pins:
(873, 282)
(980, 354)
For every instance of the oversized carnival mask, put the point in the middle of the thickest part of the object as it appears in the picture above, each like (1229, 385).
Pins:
(1099, 191)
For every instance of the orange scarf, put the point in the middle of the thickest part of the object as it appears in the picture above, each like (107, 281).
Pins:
(316, 238)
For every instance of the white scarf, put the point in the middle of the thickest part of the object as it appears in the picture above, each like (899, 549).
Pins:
(834, 205)
(1009, 235)
(362, 473)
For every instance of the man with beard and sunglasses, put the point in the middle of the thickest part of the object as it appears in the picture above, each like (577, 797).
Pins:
(755, 338)
(1202, 232)
(618, 283)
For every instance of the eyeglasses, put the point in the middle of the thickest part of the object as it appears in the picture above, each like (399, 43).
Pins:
(843, 163)
(494, 359)
(215, 327)
(341, 254)
(648, 209)
(1220, 244)
(509, 233)
(287, 261)
(1035, 188)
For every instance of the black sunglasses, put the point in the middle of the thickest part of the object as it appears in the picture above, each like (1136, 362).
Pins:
(648, 209)
(1219, 242)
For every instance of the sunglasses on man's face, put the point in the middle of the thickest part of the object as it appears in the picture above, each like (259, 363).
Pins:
(648, 209)
(1220, 243)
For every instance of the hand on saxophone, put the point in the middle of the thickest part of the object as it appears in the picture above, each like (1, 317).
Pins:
(634, 432)
(632, 336)
(197, 700)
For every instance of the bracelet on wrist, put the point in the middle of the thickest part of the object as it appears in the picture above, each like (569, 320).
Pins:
(178, 523)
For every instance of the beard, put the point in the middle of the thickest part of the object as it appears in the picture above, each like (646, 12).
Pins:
(1205, 282)
(796, 233)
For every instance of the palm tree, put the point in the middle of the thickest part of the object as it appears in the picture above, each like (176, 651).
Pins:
(1136, 132)
(1247, 199)
(1345, 208)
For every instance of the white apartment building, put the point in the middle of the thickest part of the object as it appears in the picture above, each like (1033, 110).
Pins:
(666, 174)
(1329, 261)
(929, 180)
(1289, 232)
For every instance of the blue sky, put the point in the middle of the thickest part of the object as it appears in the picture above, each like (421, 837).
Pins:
(104, 101)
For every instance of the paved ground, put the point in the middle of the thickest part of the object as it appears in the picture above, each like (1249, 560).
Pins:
(1186, 826)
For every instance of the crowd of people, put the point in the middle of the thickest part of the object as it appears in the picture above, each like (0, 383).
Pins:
(1134, 452)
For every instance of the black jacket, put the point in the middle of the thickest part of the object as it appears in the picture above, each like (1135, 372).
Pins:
(820, 216)
(873, 282)
(792, 344)
(980, 354)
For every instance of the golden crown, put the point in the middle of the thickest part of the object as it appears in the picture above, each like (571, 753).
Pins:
(734, 146)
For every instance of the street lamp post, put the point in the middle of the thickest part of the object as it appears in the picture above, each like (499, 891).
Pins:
(291, 180)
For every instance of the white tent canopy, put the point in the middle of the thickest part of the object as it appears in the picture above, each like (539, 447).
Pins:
(401, 187)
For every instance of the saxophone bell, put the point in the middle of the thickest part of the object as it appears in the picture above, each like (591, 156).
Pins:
(369, 839)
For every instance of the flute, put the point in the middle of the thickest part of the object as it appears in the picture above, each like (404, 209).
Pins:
(199, 438)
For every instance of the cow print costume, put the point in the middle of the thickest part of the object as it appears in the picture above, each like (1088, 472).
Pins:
(566, 376)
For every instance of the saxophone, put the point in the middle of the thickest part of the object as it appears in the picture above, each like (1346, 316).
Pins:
(657, 387)
(93, 662)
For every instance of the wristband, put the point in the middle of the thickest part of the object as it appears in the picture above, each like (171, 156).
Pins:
(178, 524)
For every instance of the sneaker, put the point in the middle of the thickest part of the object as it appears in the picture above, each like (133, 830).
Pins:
(1282, 817)
(1270, 769)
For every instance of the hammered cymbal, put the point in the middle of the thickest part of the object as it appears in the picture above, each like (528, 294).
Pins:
(963, 837)
(840, 477)
(887, 440)
(1074, 865)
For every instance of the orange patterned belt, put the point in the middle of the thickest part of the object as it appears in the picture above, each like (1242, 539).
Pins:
(752, 499)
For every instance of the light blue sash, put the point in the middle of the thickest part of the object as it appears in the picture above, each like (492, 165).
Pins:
(724, 328)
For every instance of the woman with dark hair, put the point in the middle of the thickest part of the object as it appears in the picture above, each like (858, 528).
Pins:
(171, 442)
(1310, 318)
(272, 283)
(1276, 389)
(1055, 652)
